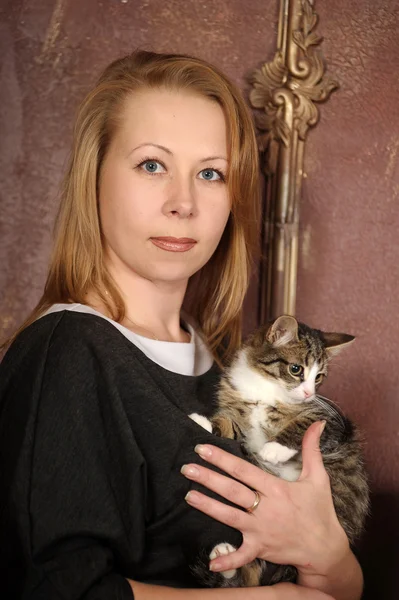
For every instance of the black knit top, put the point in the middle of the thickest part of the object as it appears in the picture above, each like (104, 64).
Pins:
(92, 438)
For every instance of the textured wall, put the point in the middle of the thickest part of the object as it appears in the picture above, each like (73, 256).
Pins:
(349, 261)
(50, 53)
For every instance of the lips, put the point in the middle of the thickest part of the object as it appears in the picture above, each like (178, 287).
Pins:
(172, 244)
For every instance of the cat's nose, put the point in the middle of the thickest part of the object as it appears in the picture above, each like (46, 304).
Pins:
(308, 393)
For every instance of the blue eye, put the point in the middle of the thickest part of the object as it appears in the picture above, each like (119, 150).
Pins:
(151, 166)
(208, 175)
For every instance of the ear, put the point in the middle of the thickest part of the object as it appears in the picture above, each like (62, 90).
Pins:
(283, 330)
(335, 342)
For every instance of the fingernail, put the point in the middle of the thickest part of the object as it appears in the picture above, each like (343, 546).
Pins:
(323, 424)
(192, 497)
(203, 451)
(215, 566)
(189, 471)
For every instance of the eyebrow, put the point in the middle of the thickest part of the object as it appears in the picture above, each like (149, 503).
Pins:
(171, 153)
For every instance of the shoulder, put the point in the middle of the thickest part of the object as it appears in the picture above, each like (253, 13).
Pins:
(69, 330)
(73, 326)
(65, 341)
(65, 366)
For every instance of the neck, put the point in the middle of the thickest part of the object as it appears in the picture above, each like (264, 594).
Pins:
(156, 308)
(152, 307)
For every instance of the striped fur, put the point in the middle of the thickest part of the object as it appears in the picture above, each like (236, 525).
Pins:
(262, 403)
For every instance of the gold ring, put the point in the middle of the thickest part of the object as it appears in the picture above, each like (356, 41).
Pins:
(255, 504)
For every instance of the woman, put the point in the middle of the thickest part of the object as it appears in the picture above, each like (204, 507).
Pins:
(97, 384)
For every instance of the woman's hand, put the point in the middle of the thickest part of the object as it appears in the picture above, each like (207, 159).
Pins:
(290, 591)
(295, 522)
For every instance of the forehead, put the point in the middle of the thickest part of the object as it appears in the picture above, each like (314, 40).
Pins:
(312, 351)
(307, 351)
(183, 121)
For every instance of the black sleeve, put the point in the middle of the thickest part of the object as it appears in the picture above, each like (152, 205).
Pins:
(79, 489)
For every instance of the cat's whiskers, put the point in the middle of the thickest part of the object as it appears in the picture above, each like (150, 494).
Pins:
(335, 413)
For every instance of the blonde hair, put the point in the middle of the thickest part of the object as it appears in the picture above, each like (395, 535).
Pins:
(216, 293)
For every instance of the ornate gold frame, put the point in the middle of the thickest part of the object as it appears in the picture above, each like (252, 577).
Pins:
(285, 90)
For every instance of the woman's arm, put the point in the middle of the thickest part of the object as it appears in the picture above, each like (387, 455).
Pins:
(69, 467)
(344, 580)
(295, 522)
(281, 591)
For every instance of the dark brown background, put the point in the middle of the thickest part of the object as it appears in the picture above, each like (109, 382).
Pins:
(52, 51)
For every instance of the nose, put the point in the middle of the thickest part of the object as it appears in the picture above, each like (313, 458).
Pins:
(180, 200)
(307, 393)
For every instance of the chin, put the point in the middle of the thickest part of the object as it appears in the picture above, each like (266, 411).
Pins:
(170, 273)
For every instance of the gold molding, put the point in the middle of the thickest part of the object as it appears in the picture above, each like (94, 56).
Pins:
(285, 91)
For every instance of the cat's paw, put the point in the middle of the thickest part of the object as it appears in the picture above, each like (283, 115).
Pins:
(274, 453)
(222, 550)
(201, 420)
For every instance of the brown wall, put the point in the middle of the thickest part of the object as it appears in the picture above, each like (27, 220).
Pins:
(51, 51)
(349, 262)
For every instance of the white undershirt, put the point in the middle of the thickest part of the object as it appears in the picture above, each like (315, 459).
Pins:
(184, 358)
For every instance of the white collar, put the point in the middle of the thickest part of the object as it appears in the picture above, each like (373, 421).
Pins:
(190, 358)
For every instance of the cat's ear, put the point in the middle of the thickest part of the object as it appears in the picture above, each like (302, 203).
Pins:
(283, 330)
(335, 342)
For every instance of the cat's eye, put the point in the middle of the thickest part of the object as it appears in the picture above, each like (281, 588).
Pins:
(319, 377)
(295, 370)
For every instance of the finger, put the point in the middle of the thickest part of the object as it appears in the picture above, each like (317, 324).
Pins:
(234, 517)
(312, 460)
(234, 560)
(238, 468)
(224, 486)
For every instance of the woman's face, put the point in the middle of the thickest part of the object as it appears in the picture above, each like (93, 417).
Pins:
(163, 200)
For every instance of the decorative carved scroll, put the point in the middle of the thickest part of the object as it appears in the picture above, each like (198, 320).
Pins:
(285, 90)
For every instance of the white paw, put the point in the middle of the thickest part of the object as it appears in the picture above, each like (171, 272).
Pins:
(274, 453)
(221, 550)
(201, 420)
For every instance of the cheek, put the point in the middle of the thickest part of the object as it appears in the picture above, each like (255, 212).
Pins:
(297, 388)
(124, 216)
(288, 382)
(215, 219)
(118, 221)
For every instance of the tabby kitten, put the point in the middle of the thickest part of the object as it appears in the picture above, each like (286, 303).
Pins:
(267, 398)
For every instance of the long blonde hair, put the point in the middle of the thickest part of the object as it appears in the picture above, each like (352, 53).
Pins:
(216, 293)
